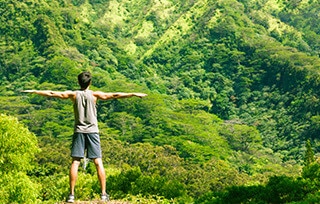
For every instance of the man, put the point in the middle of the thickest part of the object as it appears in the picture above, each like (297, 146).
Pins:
(86, 132)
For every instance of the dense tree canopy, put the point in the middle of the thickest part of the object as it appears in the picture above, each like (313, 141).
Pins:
(232, 106)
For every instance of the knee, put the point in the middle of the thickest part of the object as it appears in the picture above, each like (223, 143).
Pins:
(98, 162)
(76, 161)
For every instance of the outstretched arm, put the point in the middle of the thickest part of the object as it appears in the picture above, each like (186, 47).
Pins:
(107, 96)
(55, 94)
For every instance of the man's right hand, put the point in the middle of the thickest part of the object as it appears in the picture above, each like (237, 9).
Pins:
(140, 95)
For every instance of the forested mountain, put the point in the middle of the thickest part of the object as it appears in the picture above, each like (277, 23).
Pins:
(233, 95)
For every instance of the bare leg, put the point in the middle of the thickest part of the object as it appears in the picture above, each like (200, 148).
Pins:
(74, 174)
(101, 174)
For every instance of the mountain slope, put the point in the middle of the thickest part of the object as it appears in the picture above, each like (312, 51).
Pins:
(231, 84)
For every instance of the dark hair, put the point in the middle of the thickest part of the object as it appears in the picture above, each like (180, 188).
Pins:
(84, 79)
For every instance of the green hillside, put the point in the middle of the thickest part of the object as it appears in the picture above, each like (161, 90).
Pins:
(233, 94)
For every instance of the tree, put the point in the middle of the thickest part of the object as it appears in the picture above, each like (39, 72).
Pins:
(241, 137)
(17, 145)
(309, 155)
(17, 151)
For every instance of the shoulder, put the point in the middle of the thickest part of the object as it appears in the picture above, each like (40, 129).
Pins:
(70, 93)
(102, 95)
(97, 93)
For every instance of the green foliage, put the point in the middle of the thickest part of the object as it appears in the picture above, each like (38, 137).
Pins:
(279, 189)
(240, 137)
(138, 199)
(311, 175)
(309, 156)
(61, 70)
(18, 146)
(232, 92)
(157, 185)
(121, 184)
(56, 187)
(133, 182)
(17, 187)
(282, 189)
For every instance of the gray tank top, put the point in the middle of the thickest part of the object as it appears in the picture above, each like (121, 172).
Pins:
(85, 113)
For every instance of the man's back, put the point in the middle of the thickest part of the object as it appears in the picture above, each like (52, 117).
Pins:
(85, 112)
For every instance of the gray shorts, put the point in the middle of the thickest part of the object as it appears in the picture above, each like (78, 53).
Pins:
(86, 141)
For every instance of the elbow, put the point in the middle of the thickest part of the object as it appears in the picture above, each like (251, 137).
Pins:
(116, 95)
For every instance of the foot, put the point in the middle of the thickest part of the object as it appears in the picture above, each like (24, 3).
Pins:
(70, 199)
(105, 197)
